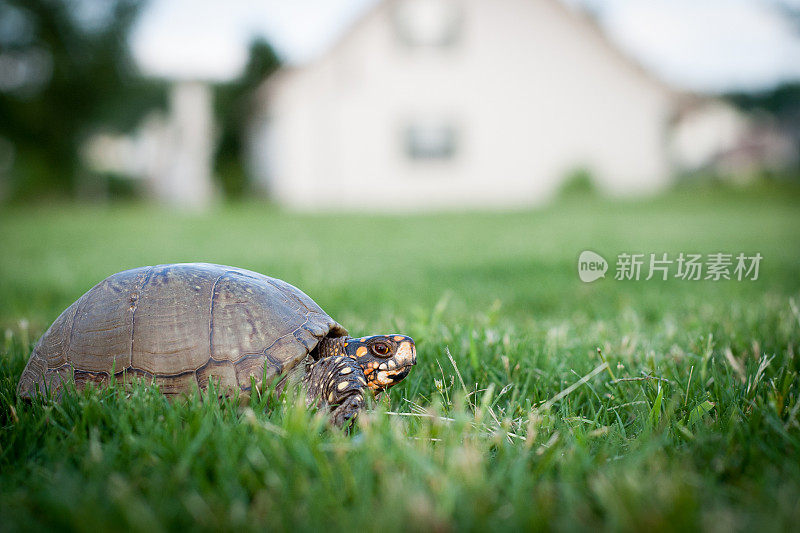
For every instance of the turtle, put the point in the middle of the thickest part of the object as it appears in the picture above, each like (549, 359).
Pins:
(184, 326)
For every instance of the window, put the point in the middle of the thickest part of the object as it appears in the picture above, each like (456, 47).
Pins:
(431, 140)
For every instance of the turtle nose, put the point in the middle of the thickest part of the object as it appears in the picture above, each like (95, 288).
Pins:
(406, 354)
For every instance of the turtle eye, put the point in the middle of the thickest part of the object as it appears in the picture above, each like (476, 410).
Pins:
(380, 348)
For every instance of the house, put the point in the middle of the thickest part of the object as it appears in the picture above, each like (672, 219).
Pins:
(462, 104)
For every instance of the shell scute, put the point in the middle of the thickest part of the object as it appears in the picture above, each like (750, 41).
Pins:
(170, 323)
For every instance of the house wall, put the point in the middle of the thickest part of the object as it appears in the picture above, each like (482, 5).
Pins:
(532, 90)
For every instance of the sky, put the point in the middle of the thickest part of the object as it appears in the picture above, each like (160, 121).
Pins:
(707, 46)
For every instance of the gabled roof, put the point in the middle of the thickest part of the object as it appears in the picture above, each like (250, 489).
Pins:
(579, 17)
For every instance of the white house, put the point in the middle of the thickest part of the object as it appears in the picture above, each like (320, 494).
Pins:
(458, 104)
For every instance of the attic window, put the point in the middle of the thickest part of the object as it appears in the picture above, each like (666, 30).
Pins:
(427, 23)
(435, 140)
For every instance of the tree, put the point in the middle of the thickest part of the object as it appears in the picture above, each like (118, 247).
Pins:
(781, 102)
(233, 104)
(65, 72)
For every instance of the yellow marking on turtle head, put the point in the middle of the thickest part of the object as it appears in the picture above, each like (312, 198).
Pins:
(399, 338)
(362, 351)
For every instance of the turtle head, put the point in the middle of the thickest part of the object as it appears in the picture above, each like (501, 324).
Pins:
(385, 359)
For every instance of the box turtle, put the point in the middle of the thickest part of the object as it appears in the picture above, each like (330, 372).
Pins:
(184, 325)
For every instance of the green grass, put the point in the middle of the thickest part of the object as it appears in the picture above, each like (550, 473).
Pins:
(693, 423)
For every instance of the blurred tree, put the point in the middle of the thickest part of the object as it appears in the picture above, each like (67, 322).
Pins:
(781, 102)
(233, 104)
(65, 72)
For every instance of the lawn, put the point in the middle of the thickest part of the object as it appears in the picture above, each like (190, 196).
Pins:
(686, 416)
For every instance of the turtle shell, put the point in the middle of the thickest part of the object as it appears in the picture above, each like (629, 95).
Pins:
(180, 325)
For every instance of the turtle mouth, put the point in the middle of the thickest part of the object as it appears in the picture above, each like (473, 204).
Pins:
(390, 378)
(398, 376)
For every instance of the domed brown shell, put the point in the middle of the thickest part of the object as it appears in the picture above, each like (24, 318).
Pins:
(179, 325)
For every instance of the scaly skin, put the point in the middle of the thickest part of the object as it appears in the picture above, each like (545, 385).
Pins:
(336, 383)
(345, 367)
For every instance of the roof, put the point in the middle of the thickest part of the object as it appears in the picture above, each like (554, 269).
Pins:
(578, 16)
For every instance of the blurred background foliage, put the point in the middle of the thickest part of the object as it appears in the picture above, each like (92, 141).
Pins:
(781, 103)
(67, 72)
(231, 107)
